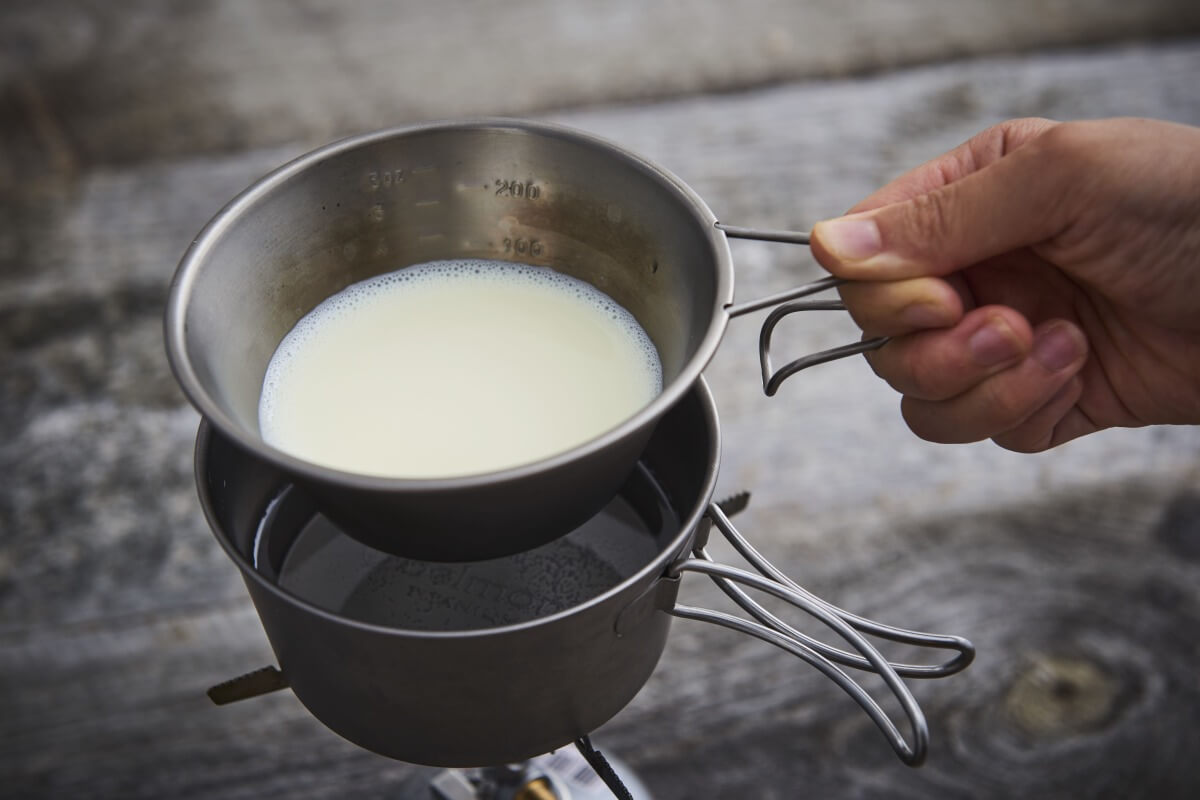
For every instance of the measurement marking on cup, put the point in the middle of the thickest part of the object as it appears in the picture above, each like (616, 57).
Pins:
(522, 246)
(421, 170)
(426, 237)
(514, 188)
(426, 203)
(384, 179)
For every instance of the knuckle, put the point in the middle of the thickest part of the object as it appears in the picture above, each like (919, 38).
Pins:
(1064, 140)
(1069, 152)
(930, 218)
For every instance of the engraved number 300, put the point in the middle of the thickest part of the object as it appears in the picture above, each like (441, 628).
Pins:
(522, 246)
(385, 179)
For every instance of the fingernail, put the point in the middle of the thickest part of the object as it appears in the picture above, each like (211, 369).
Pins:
(1057, 347)
(851, 239)
(993, 344)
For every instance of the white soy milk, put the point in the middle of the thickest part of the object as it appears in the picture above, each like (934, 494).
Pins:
(454, 368)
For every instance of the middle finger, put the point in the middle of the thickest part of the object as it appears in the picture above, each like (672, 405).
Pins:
(940, 364)
(896, 308)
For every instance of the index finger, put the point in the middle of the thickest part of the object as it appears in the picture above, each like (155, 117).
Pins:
(983, 148)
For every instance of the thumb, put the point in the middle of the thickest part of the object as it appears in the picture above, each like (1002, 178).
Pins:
(1011, 203)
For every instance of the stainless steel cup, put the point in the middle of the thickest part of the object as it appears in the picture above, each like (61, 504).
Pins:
(503, 189)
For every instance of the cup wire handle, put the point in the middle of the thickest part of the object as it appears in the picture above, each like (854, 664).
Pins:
(774, 631)
(789, 302)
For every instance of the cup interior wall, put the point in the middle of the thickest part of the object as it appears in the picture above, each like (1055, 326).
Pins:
(514, 194)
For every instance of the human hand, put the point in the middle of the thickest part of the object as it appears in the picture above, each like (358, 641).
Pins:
(1039, 282)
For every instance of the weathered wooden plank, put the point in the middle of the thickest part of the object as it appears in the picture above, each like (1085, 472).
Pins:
(1083, 604)
(1073, 604)
(98, 510)
(1083, 609)
(85, 83)
(117, 709)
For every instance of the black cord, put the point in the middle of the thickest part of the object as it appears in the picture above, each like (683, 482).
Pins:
(602, 768)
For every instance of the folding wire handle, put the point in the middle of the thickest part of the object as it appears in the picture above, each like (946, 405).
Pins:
(789, 302)
(773, 630)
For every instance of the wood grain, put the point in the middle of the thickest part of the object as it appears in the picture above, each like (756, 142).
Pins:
(97, 441)
(1083, 609)
(1073, 693)
(85, 83)
(1074, 572)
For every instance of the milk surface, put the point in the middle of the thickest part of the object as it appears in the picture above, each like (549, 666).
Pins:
(454, 368)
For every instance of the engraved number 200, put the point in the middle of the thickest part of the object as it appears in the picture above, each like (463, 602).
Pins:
(528, 189)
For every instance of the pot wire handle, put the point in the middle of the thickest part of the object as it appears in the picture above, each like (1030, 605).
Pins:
(964, 650)
(788, 303)
(815, 653)
(911, 754)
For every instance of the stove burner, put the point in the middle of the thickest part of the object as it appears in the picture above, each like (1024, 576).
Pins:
(562, 775)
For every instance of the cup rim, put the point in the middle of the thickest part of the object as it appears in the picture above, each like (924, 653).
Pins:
(175, 318)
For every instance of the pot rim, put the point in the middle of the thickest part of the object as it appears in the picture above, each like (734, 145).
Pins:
(657, 566)
(175, 319)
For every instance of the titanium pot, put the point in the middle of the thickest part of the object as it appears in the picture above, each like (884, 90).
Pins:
(501, 189)
(484, 663)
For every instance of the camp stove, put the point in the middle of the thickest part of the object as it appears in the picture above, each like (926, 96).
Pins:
(549, 588)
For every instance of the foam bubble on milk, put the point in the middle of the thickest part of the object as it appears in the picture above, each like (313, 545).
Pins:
(439, 276)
